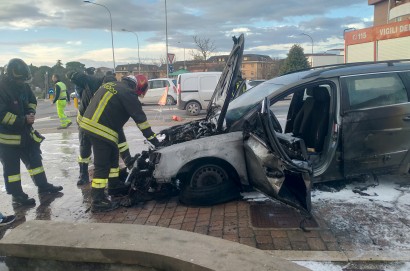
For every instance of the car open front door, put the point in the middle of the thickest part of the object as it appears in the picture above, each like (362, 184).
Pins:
(281, 174)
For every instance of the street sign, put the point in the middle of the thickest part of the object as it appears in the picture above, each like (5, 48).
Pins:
(171, 58)
(51, 91)
(170, 68)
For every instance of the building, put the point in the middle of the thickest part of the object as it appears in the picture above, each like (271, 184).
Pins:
(253, 67)
(389, 11)
(330, 57)
(149, 70)
(388, 39)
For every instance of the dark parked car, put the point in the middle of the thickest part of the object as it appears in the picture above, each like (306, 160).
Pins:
(342, 121)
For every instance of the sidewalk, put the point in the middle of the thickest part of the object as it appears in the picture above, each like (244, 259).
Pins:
(369, 228)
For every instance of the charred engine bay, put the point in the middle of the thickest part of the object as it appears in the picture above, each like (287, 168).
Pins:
(188, 131)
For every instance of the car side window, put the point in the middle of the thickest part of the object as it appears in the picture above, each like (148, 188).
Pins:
(373, 90)
(150, 84)
(157, 84)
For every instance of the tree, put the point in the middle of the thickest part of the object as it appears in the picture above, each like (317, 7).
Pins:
(205, 48)
(295, 61)
(75, 66)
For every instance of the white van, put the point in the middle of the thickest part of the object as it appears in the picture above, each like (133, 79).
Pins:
(195, 90)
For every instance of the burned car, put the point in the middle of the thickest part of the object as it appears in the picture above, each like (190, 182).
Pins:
(342, 121)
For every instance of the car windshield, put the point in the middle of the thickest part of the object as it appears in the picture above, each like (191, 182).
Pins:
(244, 103)
(255, 82)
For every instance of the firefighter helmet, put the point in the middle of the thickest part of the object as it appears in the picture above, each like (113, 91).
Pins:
(142, 84)
(139, 82)
(17, 70)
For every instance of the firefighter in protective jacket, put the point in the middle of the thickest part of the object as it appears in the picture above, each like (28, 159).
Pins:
(110, 108)
(18, 139)
(87, 85)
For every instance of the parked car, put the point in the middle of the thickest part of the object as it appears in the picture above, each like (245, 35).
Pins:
(195, 90)
(342, 121)
(156, 88)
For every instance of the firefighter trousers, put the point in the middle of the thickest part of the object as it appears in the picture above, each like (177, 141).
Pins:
(10, 157)
(106, 164)
(85, 147)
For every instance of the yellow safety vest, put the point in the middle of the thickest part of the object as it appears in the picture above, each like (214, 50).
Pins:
(63, 91)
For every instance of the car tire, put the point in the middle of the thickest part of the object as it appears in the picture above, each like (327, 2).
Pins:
(170, 100)
(193, 108)
(208, 184)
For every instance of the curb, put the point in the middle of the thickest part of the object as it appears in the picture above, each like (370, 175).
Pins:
(147, 246)
(343, 256)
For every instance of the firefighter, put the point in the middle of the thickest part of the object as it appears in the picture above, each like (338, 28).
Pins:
(110, 108)
(18, 139)
(87, 85)
(61, 98)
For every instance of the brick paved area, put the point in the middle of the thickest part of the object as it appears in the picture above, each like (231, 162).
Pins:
(230, 221)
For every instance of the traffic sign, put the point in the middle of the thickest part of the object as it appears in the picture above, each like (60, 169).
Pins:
(171, 58)
(170, 68)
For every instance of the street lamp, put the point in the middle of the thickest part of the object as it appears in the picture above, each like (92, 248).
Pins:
(166, 36)
(311, 62)
(139, 60)
(184, 55)
(112, 38)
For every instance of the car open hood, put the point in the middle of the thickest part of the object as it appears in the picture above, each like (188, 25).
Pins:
(226, 85)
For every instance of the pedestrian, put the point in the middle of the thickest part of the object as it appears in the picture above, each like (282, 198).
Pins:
(6, 220)
(61, 98)
(87, 85)
(18, 139)
(110, 108)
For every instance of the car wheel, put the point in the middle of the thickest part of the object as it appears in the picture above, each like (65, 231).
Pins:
(170, 100)
(208, 184)
(193, 108)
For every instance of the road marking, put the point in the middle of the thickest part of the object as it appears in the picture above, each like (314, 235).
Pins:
(43, 119)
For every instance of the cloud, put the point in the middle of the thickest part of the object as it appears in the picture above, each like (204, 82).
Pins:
(267, 26)
(78, 42)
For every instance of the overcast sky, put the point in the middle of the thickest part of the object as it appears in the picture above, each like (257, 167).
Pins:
(44, 31)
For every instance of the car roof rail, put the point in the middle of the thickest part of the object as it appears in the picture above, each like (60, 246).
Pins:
(343, 65)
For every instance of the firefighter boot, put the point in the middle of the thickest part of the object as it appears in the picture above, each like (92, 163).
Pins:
(48, 188)
(100, 203)
(43, 186)
(116, 187)
(84, 178)
(22, 199)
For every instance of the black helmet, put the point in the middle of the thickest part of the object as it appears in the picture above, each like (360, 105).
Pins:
(90, 70)
(17, 70)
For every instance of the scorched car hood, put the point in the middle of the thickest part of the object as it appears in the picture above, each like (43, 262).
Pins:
(226, 85)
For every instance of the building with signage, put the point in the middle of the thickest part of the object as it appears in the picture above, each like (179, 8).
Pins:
(388, 39)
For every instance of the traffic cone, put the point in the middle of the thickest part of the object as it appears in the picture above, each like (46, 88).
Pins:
(176, 118)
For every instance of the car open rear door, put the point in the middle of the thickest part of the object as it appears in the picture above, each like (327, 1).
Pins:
(375, 124)
(271, 169)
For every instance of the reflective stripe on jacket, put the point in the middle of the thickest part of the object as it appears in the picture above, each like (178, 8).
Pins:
(110, 108)
(16, 101)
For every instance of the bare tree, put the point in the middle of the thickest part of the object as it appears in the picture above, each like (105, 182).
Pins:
(205, 48)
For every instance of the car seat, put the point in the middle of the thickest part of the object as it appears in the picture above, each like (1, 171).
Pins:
(312, 120)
